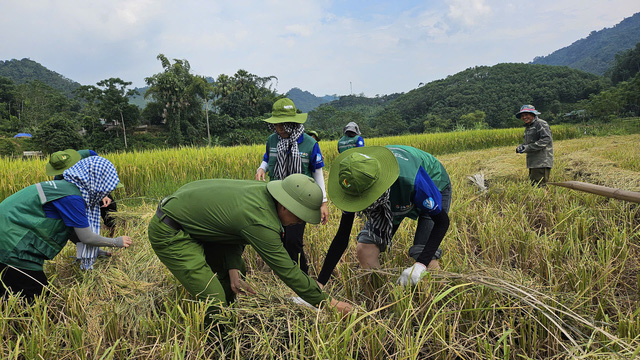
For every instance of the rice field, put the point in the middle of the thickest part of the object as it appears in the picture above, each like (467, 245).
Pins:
(527, 273)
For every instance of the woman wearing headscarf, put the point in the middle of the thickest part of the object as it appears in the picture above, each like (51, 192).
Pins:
(291, 151)
(60, 161)
(37, 221)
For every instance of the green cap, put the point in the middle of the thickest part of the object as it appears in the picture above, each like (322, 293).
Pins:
(299, 194)
(284, 110)
(61, 161)
(359, 176)
(314, 133)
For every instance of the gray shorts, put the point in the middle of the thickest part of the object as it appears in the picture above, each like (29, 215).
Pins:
(423, 230)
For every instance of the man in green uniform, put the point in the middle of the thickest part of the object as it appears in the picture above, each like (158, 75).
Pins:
(200, 232)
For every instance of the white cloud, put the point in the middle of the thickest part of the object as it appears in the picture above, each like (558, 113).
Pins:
(469, 12)
(316, 45)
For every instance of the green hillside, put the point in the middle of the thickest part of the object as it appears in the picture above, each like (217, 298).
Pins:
(596, 53)
(25, 70)
(497, 91)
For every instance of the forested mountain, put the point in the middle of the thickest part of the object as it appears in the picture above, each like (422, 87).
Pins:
(596, 53)
(306, 101)
(499, 91)
(25, 70)
(487, 94)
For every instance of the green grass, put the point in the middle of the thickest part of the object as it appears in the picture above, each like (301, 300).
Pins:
(527, 273)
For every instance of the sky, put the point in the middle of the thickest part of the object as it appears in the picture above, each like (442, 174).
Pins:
(325, 47)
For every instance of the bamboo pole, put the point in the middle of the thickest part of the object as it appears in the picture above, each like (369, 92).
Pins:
(600, 190)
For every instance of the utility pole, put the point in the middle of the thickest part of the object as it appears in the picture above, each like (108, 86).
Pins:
(350, 88)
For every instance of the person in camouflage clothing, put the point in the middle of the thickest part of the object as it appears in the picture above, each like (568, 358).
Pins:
(538, 145)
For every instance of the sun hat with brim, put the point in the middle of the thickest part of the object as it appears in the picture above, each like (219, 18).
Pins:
(353, 127)
(313, 133)
(284, 110)
(299, 194)
(527, 109)
(61, 161)
(359, 176)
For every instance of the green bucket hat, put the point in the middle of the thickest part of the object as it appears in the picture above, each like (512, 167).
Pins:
(359, 176)
(299, 194)
(61, 161)
(284, 110)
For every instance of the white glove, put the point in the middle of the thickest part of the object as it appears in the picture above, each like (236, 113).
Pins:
(413, 273)
(298, 300)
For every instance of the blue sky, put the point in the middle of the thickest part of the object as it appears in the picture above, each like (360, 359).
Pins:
(322, 46)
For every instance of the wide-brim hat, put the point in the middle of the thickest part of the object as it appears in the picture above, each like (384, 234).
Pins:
(353, 127)
(284, 110)
(299, 194)
(527, 109)
(359, 176)
(60, 161)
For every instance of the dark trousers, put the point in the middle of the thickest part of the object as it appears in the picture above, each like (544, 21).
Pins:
(28, 283)
(338, 246)
(539, 176)
(105, 213)
(292, 241)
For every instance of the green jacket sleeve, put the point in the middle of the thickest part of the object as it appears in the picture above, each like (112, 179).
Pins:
(268, 245)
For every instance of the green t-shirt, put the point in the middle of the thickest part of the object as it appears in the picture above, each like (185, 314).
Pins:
(410, 160)
(237, 213)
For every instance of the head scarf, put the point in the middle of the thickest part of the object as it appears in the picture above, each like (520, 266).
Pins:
(288, 160)
(96, 177)
(381, 218)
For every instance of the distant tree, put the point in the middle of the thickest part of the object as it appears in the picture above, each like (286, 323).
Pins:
(37, 102)
(245, 95)
(473, 120)
(176, 89)
(626, 66)
(389, 122)
(111, 99)
(59, 133)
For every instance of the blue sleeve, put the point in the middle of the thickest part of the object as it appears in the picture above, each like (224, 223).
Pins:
(360, 142)
(265, 158)
(427, 197)
(92, 153)
(71, 209)
(316, 160)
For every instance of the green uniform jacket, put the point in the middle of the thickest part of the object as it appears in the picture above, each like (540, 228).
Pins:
(538, 144)
(410, 160)
(345, 143)
(234, 213)
(27, 236)
(305, 148)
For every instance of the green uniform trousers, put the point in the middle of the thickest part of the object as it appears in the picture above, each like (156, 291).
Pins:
(198, 265)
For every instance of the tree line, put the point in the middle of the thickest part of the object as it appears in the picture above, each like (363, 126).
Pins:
(187, 109)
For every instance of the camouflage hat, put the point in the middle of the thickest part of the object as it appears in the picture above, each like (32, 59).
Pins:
(527, 109)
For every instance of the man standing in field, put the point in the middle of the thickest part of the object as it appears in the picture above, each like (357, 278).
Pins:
(201, 230)
(538, 145)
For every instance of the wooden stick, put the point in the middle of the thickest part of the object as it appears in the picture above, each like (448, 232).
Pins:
(600, 190)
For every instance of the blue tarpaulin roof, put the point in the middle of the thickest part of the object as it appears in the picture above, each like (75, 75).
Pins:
(19, 135)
